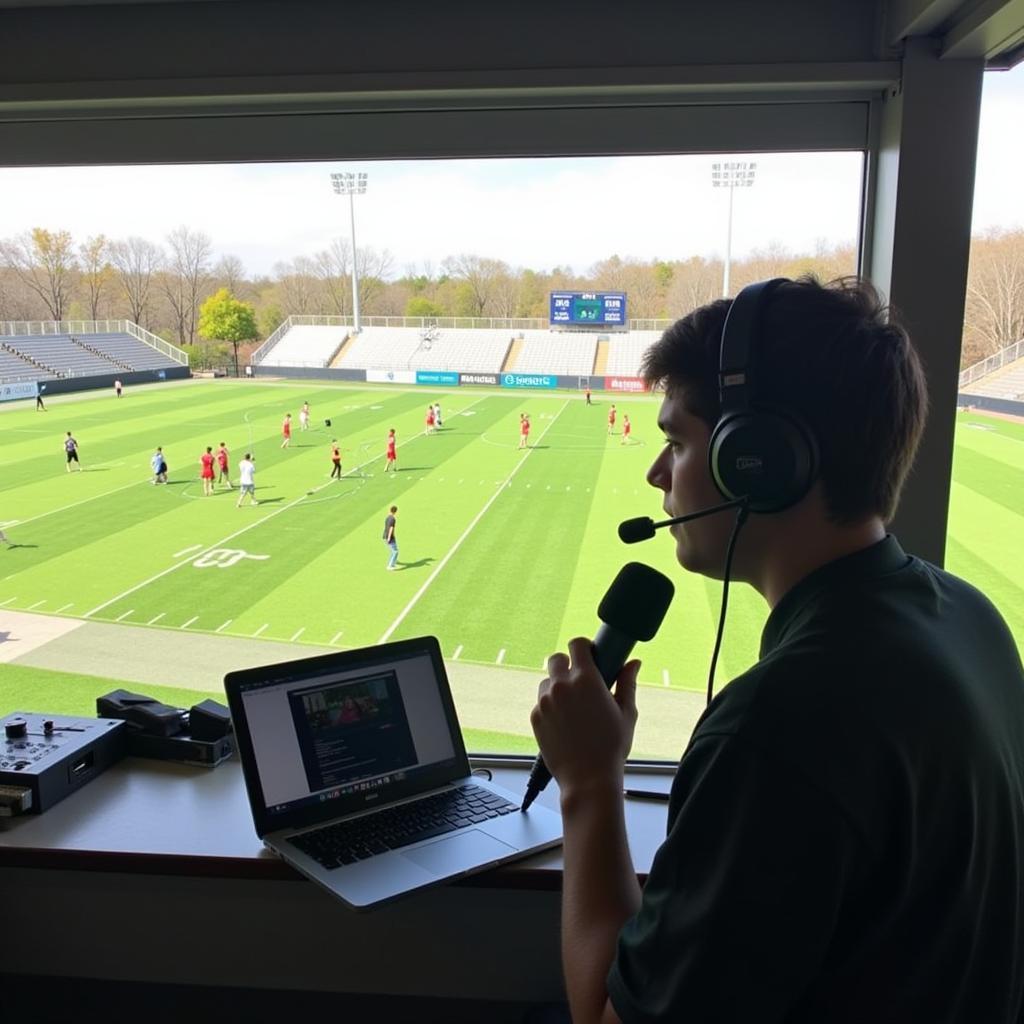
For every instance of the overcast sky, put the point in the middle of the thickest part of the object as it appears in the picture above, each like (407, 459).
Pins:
(531, 213)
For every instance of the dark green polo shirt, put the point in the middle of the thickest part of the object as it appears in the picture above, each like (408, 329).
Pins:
(846, 828)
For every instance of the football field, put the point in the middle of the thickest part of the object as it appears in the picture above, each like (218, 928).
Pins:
(504, 553)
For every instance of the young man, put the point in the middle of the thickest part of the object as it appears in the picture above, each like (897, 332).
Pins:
(588, 396)
(430, 420)
(391, 456)
(524, 429)
(286, 430)
(626, 428)
(206, 471)
(39, 399)
(335, 460)
(159, 466)
(117, 387)
(389, 536)
(224, 473)
(304, 416)
(246, 480)
(71, 453)
(437, 415)
(611, 420)
(846, 827)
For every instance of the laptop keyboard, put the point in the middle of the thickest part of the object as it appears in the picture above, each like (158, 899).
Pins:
(345, 842)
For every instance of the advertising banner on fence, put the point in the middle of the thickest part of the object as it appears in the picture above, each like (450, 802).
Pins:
(528, 380)
(23, 389)
(490, 379)
(442, 378)
(624, 384)
(391, 376)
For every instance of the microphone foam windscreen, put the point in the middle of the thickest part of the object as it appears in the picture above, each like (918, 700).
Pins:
(637, 601)
(633, 530)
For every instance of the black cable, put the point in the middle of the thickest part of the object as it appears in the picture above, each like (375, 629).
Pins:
(741, 518)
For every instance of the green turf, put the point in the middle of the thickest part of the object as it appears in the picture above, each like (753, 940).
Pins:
(504, 554)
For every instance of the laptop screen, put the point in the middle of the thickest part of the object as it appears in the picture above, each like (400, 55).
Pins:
(345, 731)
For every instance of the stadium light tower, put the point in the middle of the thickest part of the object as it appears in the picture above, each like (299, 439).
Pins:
(731, 175)
(351, 183)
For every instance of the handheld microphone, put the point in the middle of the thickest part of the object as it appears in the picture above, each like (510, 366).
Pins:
(631, 610)
(634, 530)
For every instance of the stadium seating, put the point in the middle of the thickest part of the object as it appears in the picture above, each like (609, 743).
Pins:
(1006, 382)
(13, 367)
(43, 357)
(565, 352)
(417, 348)
(306, 346)
(626, 350)
(126, 351)
(477, 350)
(60, 355)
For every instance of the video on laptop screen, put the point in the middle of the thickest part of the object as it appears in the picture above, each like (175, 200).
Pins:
(329, 736)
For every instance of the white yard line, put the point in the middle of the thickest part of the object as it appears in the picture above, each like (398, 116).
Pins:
(188, 561)
(664, 677)
(501, 657)
(298, 633)
(155, 619)
(334, 639)
(260, 630)
(238, 533)
(8, 601)
(36, 605)
(185, 551)
(223, 625)
(185, 625)
(469, 529)
(64, 607)
(458, 651)
(124, 615)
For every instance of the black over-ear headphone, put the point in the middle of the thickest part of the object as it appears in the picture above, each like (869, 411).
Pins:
(764, 453)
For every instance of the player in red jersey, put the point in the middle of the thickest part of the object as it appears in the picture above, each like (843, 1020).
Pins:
(286, 430)
(626, 428)
(524, 429)
(611, 420)
(206, 470)
(223, 476)
(430, 419)
(335, 460)
(392, 456)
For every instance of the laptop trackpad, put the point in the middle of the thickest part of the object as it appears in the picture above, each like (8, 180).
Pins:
(460, 853)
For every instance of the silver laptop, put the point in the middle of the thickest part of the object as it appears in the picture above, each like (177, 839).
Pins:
(358, 777)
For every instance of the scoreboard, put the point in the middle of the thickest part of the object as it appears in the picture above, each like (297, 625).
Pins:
(589, 308)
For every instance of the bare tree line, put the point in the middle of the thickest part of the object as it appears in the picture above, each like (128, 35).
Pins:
(44, 275)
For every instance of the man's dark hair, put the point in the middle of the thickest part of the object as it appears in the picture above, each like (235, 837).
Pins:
(832, 354)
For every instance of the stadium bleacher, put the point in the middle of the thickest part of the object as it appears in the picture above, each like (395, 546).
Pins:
(62, 356)
(126, 351)
(564, 352)
(14, 367)
(475, 350)
(417, 348)
(48, 356)
(625, 352)
(1006, 382)
(306, 345)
